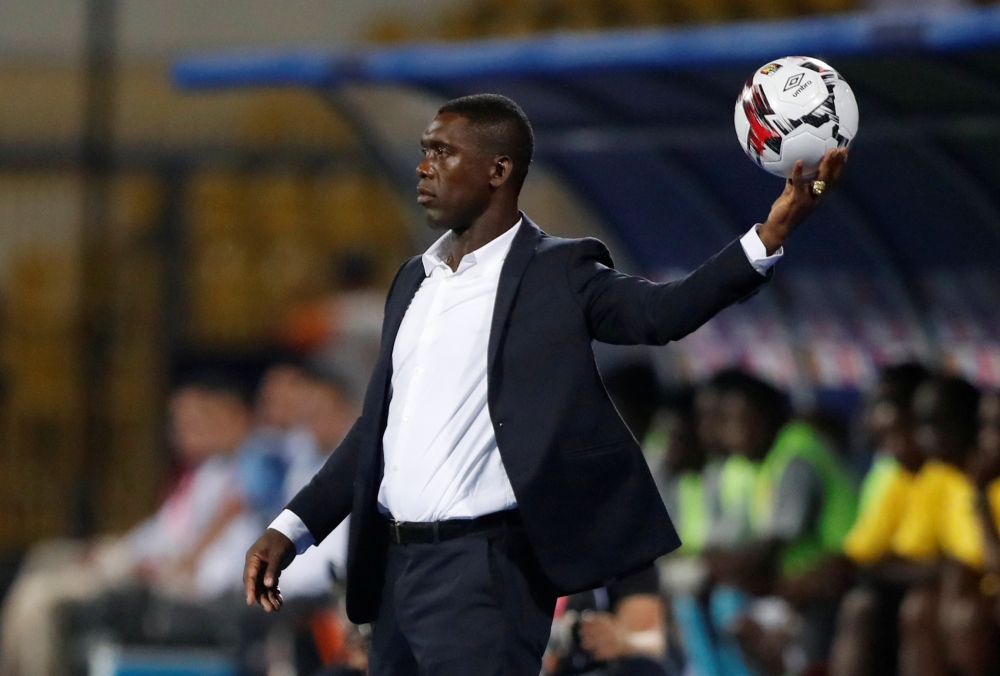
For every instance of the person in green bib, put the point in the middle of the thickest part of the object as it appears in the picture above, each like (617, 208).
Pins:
(679, 472)
(712, 509)
(803, 503)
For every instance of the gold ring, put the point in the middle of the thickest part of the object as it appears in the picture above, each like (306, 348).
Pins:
(818, 187)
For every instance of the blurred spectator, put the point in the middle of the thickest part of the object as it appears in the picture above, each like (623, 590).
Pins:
(986, 472)
(808, 508)
(262, 460)
(617, 629)
(947, 622)
(801, 505)
(679, 475)
(867, 633)
(302, 415)
(727, 488)
(729, 481)
(329, 410)
(312, 627)
(969, 592)
(210, 421)
(939, 534)
(750, 414)
(313, 408)
(344, 329)
(280, 396)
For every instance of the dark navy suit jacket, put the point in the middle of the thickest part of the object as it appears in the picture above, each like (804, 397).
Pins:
(586, 497)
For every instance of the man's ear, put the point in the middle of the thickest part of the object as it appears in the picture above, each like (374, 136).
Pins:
(502, 168)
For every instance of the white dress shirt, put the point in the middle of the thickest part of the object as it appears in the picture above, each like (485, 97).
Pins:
(441, 456)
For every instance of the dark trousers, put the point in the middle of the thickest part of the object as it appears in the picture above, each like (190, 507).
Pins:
(477, 605)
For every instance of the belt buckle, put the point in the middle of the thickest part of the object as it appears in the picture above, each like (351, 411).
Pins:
(395, 532)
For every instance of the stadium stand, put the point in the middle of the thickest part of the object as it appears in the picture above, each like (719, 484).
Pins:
(914, 221)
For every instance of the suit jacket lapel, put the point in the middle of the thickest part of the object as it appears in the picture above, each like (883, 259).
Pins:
(400, 297)
(410, 278)
(521, 251)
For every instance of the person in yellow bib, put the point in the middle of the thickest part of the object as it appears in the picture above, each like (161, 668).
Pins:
(867, 636)
(971, 583)
(986, 474)
(940, 534)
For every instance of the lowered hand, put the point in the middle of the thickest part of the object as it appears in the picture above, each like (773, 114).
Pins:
(270, 555)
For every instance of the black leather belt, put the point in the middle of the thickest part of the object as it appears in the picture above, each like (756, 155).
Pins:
(413, 532)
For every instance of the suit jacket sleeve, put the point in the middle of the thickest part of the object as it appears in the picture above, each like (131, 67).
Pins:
(624, 310)
(328, 498)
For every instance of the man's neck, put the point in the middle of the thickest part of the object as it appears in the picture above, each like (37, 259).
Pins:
(483, 230)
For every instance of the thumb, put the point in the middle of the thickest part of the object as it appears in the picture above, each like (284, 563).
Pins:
(273, 570)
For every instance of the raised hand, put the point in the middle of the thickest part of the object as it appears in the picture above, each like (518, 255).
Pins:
(265, 560)
(799, 198)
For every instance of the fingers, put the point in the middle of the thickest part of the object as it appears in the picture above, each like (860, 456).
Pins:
(270, 596)
(271, 600)
(841, 160)
(250, 571)
(831, 165)
(260, 580)
(797, 173)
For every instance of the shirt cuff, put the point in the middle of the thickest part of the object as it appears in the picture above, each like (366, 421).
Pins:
(291, 526)
(756, 251)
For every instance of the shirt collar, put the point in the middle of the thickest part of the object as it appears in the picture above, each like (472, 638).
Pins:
(492, 251)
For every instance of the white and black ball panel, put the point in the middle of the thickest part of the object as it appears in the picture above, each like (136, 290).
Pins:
(794, 108)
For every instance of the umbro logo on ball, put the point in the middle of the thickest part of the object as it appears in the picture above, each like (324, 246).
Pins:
(793, 81)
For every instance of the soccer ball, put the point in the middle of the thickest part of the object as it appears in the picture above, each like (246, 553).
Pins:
(795, 108)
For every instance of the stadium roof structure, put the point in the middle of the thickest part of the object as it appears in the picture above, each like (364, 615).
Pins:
(641, 124)
(902, 261)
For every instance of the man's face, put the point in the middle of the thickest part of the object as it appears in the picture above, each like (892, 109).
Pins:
(743, 428)
(329, 414)
(206, 423)
(989, 425)
(935, 434)
(708, 417)
(682, 446)
(882, 416)
(455, 176)
(890, 427)
(279, 403)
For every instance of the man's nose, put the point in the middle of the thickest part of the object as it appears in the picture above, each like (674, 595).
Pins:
(423, 169)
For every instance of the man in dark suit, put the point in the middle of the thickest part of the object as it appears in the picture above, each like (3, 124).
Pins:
(489, 472)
